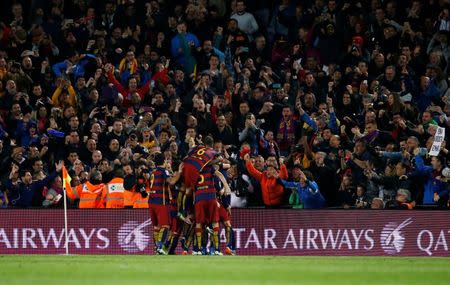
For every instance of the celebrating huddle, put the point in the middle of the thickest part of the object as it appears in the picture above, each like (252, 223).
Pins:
(196, 205)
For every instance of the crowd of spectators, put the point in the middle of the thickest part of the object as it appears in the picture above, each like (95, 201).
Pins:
(339, 100)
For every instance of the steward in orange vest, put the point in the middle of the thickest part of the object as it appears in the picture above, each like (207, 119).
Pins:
(89, 193)
(136, 188)
(113, 193)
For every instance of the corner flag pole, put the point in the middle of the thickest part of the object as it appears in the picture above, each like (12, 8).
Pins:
(66, 183)
(66, 244)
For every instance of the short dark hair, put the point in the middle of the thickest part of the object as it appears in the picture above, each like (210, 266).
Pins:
(214, 55)
(165, 131)
(208, 141)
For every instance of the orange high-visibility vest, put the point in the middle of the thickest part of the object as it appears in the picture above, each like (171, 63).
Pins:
(128, 198)
(90, 195)
(134, 199)
(139, 201)
(113, 193)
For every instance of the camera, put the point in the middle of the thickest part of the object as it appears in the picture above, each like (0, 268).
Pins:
(140, 187)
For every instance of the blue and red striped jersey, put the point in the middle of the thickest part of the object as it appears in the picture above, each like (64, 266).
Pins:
(205, 189)
(199, 156)
(158, 187)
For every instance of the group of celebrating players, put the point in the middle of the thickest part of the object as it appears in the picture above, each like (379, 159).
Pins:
(189, 210)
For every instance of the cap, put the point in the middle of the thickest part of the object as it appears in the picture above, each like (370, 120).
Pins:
(32, 124)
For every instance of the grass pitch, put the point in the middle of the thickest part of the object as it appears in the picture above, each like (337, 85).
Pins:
(193, 270)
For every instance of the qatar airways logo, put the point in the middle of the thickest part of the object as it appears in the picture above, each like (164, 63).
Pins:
(392, 239)
(132, 236)
(51, 238)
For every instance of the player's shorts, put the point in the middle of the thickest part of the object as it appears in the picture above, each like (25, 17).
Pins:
(160, 215)
(224, 215)
(191, 175)
(207, 211)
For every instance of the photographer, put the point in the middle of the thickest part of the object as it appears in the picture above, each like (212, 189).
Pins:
(138, 185)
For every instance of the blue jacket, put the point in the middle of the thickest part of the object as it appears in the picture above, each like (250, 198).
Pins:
(432, 185)
(60, 68)
(309, 195)
(310, 122)
(22, 196)
(426, 96)
(180, 56)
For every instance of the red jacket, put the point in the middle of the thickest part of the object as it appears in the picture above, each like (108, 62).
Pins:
(272, 192)
(126, 93)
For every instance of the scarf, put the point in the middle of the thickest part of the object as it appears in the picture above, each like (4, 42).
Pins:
(369, 138)
(286, 134)
(123, 66)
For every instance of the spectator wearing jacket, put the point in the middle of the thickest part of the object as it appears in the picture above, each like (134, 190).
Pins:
(272, 191)
(307, 192)
(182, 45)
(435, 190)
(24, 192)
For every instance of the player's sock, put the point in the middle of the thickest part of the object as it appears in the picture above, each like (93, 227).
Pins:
(215, 239)
(168, 241)
(198, 235)
(228, 235)
(173, 244)
(163, 236)
(233, 240)
(155, 237)
(190, 237)
(182, 208)
(187, 237)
